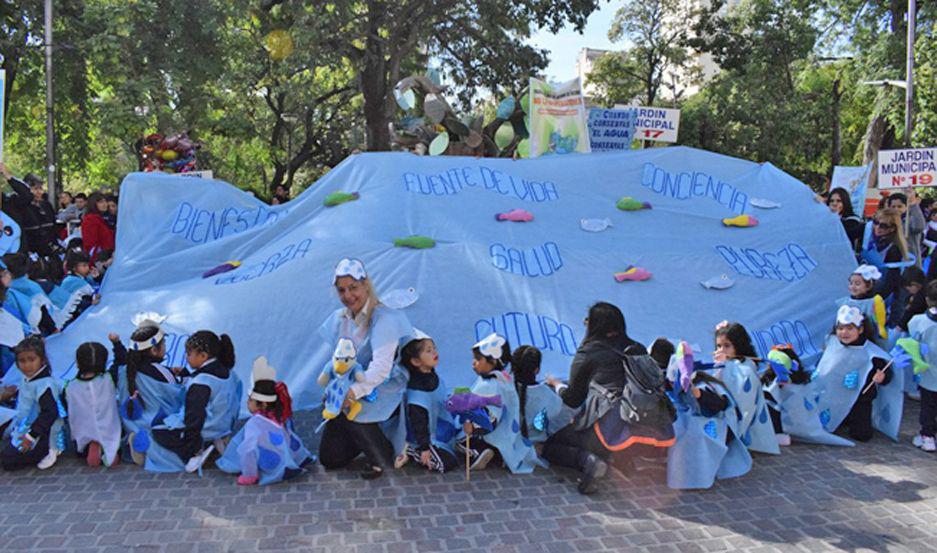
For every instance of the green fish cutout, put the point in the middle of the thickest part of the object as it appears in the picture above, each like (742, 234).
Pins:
(630, 204)
(339, 198)
(416, 241)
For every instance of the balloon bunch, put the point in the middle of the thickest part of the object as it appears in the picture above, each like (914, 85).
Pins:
(172, 154)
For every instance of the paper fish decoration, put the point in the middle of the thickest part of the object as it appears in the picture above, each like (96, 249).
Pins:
(467, 401)
(338, 198)
(915, 350)
(685, 365)
(542, 421)
(721, 282)
(633, 273)
(762, 203)
(740, 221)
(223, 268)
(630, 204)
(478, 417)
(880, 313)
(595, 225)
(782, 365)
(400, 298)
(416, 241)
(515, 215)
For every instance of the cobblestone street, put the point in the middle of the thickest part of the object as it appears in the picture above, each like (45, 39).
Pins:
(879, 497)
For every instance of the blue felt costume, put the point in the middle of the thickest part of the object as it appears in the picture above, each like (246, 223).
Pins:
(443, 428)
(68, 296)
(754, 423)
(840, 377)
(704, 449)
(924, 329)
(518, 452)
(27, 411)
(160, 398)
(545, 412)
(266, 449)
(800, 418)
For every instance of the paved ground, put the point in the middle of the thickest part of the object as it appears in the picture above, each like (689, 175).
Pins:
(879, 497)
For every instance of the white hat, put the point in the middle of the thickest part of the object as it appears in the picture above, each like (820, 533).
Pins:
(868, 272)
(345, 349)
(848, 315)
(262, 371)
(151, 319)
(491, 346)
(350, 267)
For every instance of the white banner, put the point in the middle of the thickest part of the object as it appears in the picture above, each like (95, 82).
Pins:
(659, 124)
(907, 168)
(557, 118)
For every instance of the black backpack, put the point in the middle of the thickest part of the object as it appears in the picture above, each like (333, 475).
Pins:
(643, 398)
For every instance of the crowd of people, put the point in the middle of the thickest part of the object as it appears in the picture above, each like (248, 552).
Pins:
(385, 406)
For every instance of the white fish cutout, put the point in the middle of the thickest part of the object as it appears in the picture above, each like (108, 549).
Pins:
(721, 282)
(595, 225)
(400, 298)
(762, 203)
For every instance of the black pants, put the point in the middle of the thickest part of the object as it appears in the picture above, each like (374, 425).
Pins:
(775, 420)
(859, 420)
(449, 460)
(12, 459)
(570, 448)
(343, 440)
(177, 441)
(928, 416)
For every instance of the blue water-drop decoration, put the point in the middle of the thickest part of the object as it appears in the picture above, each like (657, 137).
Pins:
(747, 438)
(295, 444)
(275, 438)
(267, 459)
(825, 417)
(527, 442)
(541, 421)
(710, 429)
(851, 380)
(886, 414)
(807, 405)
(514, 426)
(748, 385)
(763, 417)
(141, 442)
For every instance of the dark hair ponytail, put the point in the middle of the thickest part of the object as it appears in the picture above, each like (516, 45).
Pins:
(137, 359)
(209, 343)
(91, 357)
(525, 364)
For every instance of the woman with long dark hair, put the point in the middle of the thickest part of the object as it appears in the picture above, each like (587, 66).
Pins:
(839, 202)
(96, 234)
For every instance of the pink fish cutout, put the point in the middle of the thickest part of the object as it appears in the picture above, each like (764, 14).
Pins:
(633, 273)
(515, 215)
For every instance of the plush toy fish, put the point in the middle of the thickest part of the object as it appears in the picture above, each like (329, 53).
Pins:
(223, 268)
(630, 204)
(633, 273)
(338, 198)
(400, 298)
(515, 215)
(684, 357)
(721, 282)
(740, 221)
(880, 314)
(915, 350)
(594, 225)
(462, 402)
(762, 203)
(417, 242)
(782, 365)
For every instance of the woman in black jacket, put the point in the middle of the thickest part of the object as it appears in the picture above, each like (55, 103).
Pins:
(598, 361)
(839, 203)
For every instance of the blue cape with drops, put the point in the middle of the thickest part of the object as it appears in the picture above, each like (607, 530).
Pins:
(924, 330)
(754, 423)
(516, 450)
(530, 281)
(442, 426)
(264, 449)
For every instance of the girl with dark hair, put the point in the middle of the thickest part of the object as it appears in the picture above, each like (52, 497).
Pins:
(96, 235)
(77, 289)
(736, 366)
(501, 433)
(542, 411)
(430, 428)
(147, 390)
(212, 403)
(92, 406)
(265, 450)
(29, 300)
(840, 203)
(37, 432)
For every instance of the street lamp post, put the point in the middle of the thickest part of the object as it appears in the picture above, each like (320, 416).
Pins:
(909, 77)
(50, 114)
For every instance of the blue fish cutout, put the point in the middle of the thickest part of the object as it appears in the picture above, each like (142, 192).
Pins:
(267, 459)
(541, 421)
(851, 380)
(710, 429)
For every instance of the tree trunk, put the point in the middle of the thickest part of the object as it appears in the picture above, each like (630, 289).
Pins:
(872, 143)
(373, 82)
(837, 152)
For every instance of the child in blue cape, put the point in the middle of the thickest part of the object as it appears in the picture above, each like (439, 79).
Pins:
(501, 431)
(431, 430)
(212, 403)
(266, 450)
(92, 406)
(36, 435)
(542, 411)
(26, 299)
(148, 391)
(856, 388)
(735, 367)
(923, 328)
(862, 284)
(77, 290)
(707, 443)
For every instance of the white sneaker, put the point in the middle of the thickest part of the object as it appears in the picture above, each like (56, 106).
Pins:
(918, 441)
(49, 460)
(783, 439)
(483, 459)
(196, 462)
(927, 444)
